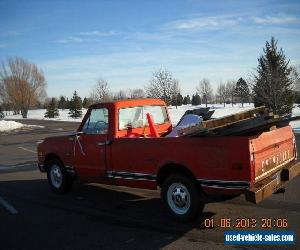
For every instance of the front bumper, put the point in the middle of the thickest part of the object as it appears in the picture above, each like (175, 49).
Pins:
(270, 185)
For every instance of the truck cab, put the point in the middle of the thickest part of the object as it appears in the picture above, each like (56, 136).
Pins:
(105, 123)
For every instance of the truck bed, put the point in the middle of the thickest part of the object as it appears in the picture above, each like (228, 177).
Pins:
(231, 163)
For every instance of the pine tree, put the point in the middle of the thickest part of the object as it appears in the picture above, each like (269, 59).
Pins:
(193, 100)
(188, 99)
(242, 90)
(75, 106)
(179, 99)
(52, 110)
(1, 112)
(67, 103)
(272, 85)
(196, 100)
(86, 102)
(62, 103)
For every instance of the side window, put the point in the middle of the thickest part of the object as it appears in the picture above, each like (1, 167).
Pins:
(97, 123)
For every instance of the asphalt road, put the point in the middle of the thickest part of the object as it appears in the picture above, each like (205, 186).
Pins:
(107, 217)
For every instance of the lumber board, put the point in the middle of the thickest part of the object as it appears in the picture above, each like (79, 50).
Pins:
(255, 124)
(247, 126)
(225, 121)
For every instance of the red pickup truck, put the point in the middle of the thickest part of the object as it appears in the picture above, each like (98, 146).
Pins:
(115, 145)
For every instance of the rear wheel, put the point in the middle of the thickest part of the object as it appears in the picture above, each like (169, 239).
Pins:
(181, 196)
(59, 179)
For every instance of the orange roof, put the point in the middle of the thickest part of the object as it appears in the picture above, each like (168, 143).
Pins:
(134, 102)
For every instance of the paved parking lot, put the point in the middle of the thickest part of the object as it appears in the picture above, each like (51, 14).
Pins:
(107, 217)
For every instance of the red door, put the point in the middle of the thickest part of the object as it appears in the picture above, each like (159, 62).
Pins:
(90, 146)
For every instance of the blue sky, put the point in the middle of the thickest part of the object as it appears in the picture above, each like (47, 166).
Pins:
(76, 42)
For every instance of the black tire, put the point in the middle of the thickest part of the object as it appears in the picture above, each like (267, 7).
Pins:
(61, 184)
(178, 190)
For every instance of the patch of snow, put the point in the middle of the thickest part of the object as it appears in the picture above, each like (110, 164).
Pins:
(296, 124)
(9, 125)
(12, 125)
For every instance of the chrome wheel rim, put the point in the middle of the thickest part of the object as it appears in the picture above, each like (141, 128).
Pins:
(56, 176)
(179, 199)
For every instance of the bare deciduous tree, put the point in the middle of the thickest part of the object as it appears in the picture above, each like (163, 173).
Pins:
(101, 92)
(129, 94)
(230, 88)
(163, 86)
(22, 84)
(176, 94)
(137, 93)
(222, 93)
(205, 90)
(121, 95)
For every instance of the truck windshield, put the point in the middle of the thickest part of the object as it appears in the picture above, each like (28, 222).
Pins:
(135, 117)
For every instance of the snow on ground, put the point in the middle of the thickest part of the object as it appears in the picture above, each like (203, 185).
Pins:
(220, 110)
(175, 113)
(296, 124)
(11, 125)
(38, 114)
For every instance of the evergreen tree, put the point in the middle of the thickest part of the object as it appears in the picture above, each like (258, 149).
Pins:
(193, 100)
(196, 100)
(179, 99)
(184, 101)
(67, 103)
(62, 103)
(272, 85)
(242, 90)
(174, 101)
(75, 106)
(86, 102)
(188, 99)
(1, 112)
(52, 110)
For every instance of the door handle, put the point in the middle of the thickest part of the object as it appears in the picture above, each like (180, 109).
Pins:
(103, 143)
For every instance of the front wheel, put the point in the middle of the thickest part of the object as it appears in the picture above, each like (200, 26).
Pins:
(58, 178)
(181, 197)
